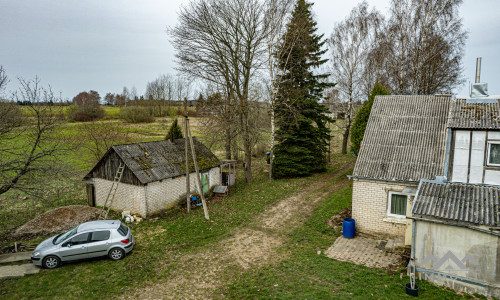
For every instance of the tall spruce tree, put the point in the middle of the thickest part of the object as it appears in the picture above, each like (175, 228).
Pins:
(302, 135)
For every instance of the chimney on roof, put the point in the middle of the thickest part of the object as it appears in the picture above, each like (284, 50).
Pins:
(478, 89)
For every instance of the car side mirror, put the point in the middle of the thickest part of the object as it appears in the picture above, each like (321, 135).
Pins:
(67, 244)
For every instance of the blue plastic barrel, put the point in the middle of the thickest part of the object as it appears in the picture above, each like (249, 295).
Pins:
(348, 228)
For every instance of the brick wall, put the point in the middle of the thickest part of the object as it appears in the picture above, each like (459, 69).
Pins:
(160, 195)
(163, 195)
(369, 207)
(128, 197)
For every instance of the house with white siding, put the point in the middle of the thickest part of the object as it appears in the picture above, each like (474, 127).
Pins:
(154, 176)
(429, 170)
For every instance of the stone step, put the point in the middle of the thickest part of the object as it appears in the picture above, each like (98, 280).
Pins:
(13, 257)
(18, 270)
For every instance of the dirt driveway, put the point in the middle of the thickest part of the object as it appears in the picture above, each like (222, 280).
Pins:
(200, 275)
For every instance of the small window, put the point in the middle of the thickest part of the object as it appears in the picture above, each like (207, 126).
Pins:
(123, 230)
(494, 154)
(397, 205)
(100, 236)
(80, 239)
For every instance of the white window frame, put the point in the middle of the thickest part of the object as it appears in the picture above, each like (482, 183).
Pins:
(488, 154)
(389, 204)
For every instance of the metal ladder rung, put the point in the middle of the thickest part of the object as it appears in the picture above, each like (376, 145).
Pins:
(113, 189)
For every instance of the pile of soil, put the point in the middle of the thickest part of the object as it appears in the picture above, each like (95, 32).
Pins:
(58, 220)
(336, 222)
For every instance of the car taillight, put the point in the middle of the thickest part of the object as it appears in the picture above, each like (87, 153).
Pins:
(125, 241)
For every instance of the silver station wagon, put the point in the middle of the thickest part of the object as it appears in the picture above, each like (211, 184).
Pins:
(91, 239)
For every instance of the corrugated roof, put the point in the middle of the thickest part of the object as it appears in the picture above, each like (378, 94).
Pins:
(405, 138)
(154, 161)
(474, 115)
(475, 204)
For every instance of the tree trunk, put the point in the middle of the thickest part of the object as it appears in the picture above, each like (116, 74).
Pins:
(248, 157)
(345, 139)
(272, 147)
(246, 143)
(228, 143)
(234, 149)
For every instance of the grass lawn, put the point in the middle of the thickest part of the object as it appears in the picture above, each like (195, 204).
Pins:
(302, 273)
(176, 232)
(306, 275)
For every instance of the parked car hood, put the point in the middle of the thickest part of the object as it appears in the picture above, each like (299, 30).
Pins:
(46, 244)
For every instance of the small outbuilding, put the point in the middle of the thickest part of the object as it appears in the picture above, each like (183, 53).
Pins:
(154, 176)
(457, 235)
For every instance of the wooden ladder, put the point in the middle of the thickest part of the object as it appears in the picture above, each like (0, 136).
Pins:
(112, 190)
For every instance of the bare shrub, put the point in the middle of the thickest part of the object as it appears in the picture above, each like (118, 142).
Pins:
(136, 114)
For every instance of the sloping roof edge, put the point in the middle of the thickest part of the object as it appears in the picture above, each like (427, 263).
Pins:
(466, 203)
(155, 172)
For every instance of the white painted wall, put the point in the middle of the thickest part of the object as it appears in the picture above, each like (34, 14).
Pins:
(128, 197)
(461, 156)
(160, 195)
(478, 147)
(438, 239)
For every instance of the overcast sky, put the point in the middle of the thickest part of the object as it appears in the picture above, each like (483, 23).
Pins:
(105, 45)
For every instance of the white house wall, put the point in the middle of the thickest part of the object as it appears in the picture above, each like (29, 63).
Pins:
(478, 146)
(439, 239)
(164, 194)
(461, 156)
(128, 197)
(369, 207)
(469, 155)
(160, 195)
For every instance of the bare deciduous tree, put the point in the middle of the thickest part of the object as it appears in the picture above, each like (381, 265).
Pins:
(222, 42)
(30, 149)
(351, 43)
(3, 79)
(160, 91)
(98, 137)
(423, 47)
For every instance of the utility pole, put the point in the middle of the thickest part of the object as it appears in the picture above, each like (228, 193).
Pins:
(205, 209)
(188, 188)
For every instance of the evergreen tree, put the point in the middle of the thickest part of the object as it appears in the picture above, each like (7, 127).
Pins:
(302, 135)
(359, 125)
(175, 130)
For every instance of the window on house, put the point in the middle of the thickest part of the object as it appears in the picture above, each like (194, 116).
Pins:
(397, 205)
(494, 154)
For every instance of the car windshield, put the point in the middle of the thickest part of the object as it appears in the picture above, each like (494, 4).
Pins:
(64, 236)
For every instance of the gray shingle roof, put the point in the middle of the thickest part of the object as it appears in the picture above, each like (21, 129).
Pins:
(474, 115)
(405, 138)
(475, 204)
(154, 161)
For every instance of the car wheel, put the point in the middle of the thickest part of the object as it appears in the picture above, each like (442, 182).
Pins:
(51, 262)
(116, 253)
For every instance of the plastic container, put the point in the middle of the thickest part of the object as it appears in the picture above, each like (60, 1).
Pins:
(348, 228)
(410, 291)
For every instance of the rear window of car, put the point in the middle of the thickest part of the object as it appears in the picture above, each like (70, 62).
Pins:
(100, 236)
(123, 230)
